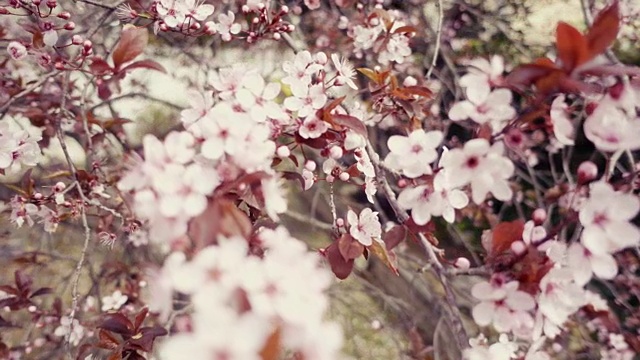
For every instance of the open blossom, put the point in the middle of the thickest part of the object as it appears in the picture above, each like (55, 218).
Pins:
(114, 301)
(482, 166)
(16, 50)
(75, 331)
(503, 306)
(306, 100)
(559, 298)
(606, 216)
(485, 107)
(300, 70)
(560, 118)
(610, 129)
(480, 350)
(365, 227)
(397, 49)
(413, 154)
(584, 264)
(257, 98)
(313, 127)
(197, 10)
(173, 12)
(345, 70)
(201, 105)
(483, 75)
(226, 25)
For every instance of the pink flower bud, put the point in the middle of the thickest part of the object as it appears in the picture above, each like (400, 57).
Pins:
(36, 2)
(330, 178)
(518, 247)
(16, 50)
(290, 28)
(340, 222)
(210, 28)
(310, 165)
(76, 40)
(344, 176)
(277, 36)
(255, 20)
(70, 26)
(87, 45)
(3, 11)
(245, 9)
(65, 15)
(587, 171)
(336, 152)
(52, 4)
(284, 9)
(59, 186)
(402, 183)
(283, 151)
(462, 263)
(37, 196)
(539, 216)
(321, 58)
(59, 65)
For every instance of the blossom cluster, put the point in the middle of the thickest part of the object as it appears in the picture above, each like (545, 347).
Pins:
(241, 302)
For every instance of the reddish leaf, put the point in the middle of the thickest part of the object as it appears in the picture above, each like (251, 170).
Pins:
(339, 266)
(222, 217)
(394, 236)
(604, 30)
(350, 122)
(349, 247)
(572, 47)
(145, 64)
(132, 42)
(418, 90)
(272, 347)
(407, 29)
(117, 323)
(504, 234)
(99, 66)
(140, 317)
(115, 356)
(107, 341)
(41, 291)
(388, 257)
(292, 175)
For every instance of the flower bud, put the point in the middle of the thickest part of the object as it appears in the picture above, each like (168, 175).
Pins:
(284, 9)
(76, 40)
(336, 152)
(59, 186)
(321, 58)
(65, 15)
(277, 36)
(310, 165)
(539, 216)
(283, 151)
(340, 222)
(70, 26)
(52, 4)
(344, 176)
(518, 247)
(462, 263)
(587, 171)
(245, 8)
(330, 178)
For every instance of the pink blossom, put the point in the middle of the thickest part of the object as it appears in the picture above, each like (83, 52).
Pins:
(559, 298)
(483, 75)
(114, 301)
(482, 166)
(226, 26)
(397, 49)
(503, 306)
(312, 127)
(306, 100)
(485, 107)
(257, 98)
(173, 12)
(197, 10)
(201, 104)
(606, 217)
(609, 128)
(413, 154)
(562, 125)
(300, 70)
(584, 264)
(16, 50)
(366, 227)
(345, 70)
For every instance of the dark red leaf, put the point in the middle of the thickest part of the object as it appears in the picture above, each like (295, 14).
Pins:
(145, 64)
(292, 175)
(339, 266)
(504, 234)
(604, 30)
(23, 281)
(118, 324)
(99, 66)
(41, 291)
(572, 47)
(9, 290)
(132, 42)
(140, 317)
(350, 122)
(349, 247)
(107, 341)
(394, 236)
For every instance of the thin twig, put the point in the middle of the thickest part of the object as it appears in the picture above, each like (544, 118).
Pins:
(436, 51)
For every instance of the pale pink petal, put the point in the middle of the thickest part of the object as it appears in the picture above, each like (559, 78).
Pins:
(483, 313)
(604, 266)
(461, 111)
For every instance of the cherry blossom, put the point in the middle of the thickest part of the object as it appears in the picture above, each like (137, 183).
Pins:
(610, 130)
(114, 301)
(226, 26)
(75, 332)
(501, 350)
(306, 100)
(413, 154)
(312, 127)
(562, 125)
(559, 298)
(483, 75)
(200, 104)
(482, 166)
(173, 12)
(197, 10)
(584, 264)
(345, 70)
(16, 50)
(606, 217)
(300, 70)
(503, 306)
(397, 49)
(257, 98)
(366, 227)
(485, 107)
